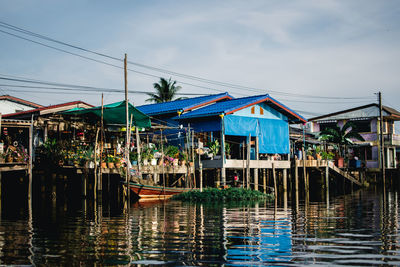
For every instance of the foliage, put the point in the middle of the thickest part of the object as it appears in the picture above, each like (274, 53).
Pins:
(229, 194)
(214, 147)
(341, 136)
(166, 90)
(133, 156)
(147, 153)
(109, 158)
(183, 155)
(227, 149)
(327, 155)
(172, 151)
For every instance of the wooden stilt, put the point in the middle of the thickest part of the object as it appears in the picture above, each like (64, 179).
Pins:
(264, 182)
(327, 184)
(284, 180)
(256, 169)
(248, 162)
(275, 184)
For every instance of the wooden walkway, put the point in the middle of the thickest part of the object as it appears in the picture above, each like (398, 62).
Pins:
(331, 166)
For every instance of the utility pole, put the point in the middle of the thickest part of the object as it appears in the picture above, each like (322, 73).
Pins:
(382, 148)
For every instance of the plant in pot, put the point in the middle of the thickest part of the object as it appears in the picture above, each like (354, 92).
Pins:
(133, 157)
(110, 161)
(117, 162)
(147, 154)
(228, 150)
(2, 157)
(172, 153)
(214, 148)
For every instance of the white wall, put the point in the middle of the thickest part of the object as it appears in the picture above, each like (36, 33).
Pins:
(7, 107)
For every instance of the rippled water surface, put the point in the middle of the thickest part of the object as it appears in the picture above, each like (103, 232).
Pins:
(357, 229)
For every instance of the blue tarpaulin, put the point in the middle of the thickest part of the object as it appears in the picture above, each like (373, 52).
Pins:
(273, 134)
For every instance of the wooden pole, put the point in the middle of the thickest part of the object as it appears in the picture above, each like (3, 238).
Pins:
(243, 173)
(304, 170)
(327, 182)
(193, 158)
(201, 173)
(274, 177)
(256, 169)
(99, 182)
(127, 126)
(137, 149)
(223, 156)
(248, 162)
(264, 182)
(284, 180)
(30, 158)
(95, 162)
(162, 159)
(382, 143)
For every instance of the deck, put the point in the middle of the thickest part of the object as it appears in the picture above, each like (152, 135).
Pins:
(240, 164)
(331, 166)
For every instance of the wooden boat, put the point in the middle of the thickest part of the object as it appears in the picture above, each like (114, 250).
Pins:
(155, 192)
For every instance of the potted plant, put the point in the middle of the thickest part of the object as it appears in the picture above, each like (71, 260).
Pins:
(214, 148)
(2, 157)
(228, 150)
(133, 157)
(183, 156)
(110, 161)
(117, 162)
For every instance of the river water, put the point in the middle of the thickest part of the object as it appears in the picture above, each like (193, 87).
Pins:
(361, 228)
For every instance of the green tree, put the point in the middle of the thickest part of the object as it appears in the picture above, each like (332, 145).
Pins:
(341, 136)
(166, 91)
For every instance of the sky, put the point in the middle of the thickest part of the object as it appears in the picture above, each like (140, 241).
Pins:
(316, 57)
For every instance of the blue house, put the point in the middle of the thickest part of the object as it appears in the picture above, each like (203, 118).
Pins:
(261, 123)
(162, 113)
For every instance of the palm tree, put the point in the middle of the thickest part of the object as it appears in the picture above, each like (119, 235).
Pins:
(166, 91)
(341, 136)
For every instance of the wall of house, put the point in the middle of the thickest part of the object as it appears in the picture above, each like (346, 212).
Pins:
(269, 113)
(7, 107)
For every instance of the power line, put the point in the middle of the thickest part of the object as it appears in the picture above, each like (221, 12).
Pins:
(196, 78)
(106, 63)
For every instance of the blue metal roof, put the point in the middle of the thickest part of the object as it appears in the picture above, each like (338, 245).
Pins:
(181, 105)
(232, 105)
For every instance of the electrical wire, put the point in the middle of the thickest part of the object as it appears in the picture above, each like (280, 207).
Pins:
(196, 78)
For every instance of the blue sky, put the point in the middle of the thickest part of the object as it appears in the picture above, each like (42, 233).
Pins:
(290, 49)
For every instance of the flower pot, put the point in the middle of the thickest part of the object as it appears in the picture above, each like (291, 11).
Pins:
(183, 162)
(118, 165)
(134, 162)
(153, 162)
(339, 162)
(175, 162)
(145, 162)
(110, 165)
(104, 165)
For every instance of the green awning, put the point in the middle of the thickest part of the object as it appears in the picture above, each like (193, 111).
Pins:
(115, 114)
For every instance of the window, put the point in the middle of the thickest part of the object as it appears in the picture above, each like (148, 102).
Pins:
(323, 126)
(261, 111)
(363, 126)
(252, 110)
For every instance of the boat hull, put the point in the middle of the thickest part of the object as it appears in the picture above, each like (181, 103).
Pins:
(159, 192)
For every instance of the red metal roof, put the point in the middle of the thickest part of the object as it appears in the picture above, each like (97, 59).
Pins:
(20, 101)
(46, 108)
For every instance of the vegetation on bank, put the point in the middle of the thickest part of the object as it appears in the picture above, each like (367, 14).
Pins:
(228, 194)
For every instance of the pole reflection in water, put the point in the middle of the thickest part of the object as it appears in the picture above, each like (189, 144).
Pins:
(357, 229)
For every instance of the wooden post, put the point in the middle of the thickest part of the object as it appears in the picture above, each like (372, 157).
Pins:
(264, 182)
(382, 143)
(248, 162)
(243, 173)
(193, 158)
(127, 127)
(296, 177)
(304, 170)
(137, 148)
(100, 178)
(95, 162)
(30, 158)
(327, 184)
(274, 177)
(284, 180)
(201, 173)
(256, 169)
(162, 159)
(223, 156)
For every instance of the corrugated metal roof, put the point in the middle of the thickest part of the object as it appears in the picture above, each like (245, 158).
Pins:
(230, 106)
(181, 105)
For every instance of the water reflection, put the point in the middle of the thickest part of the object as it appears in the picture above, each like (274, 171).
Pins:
(357, 229)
